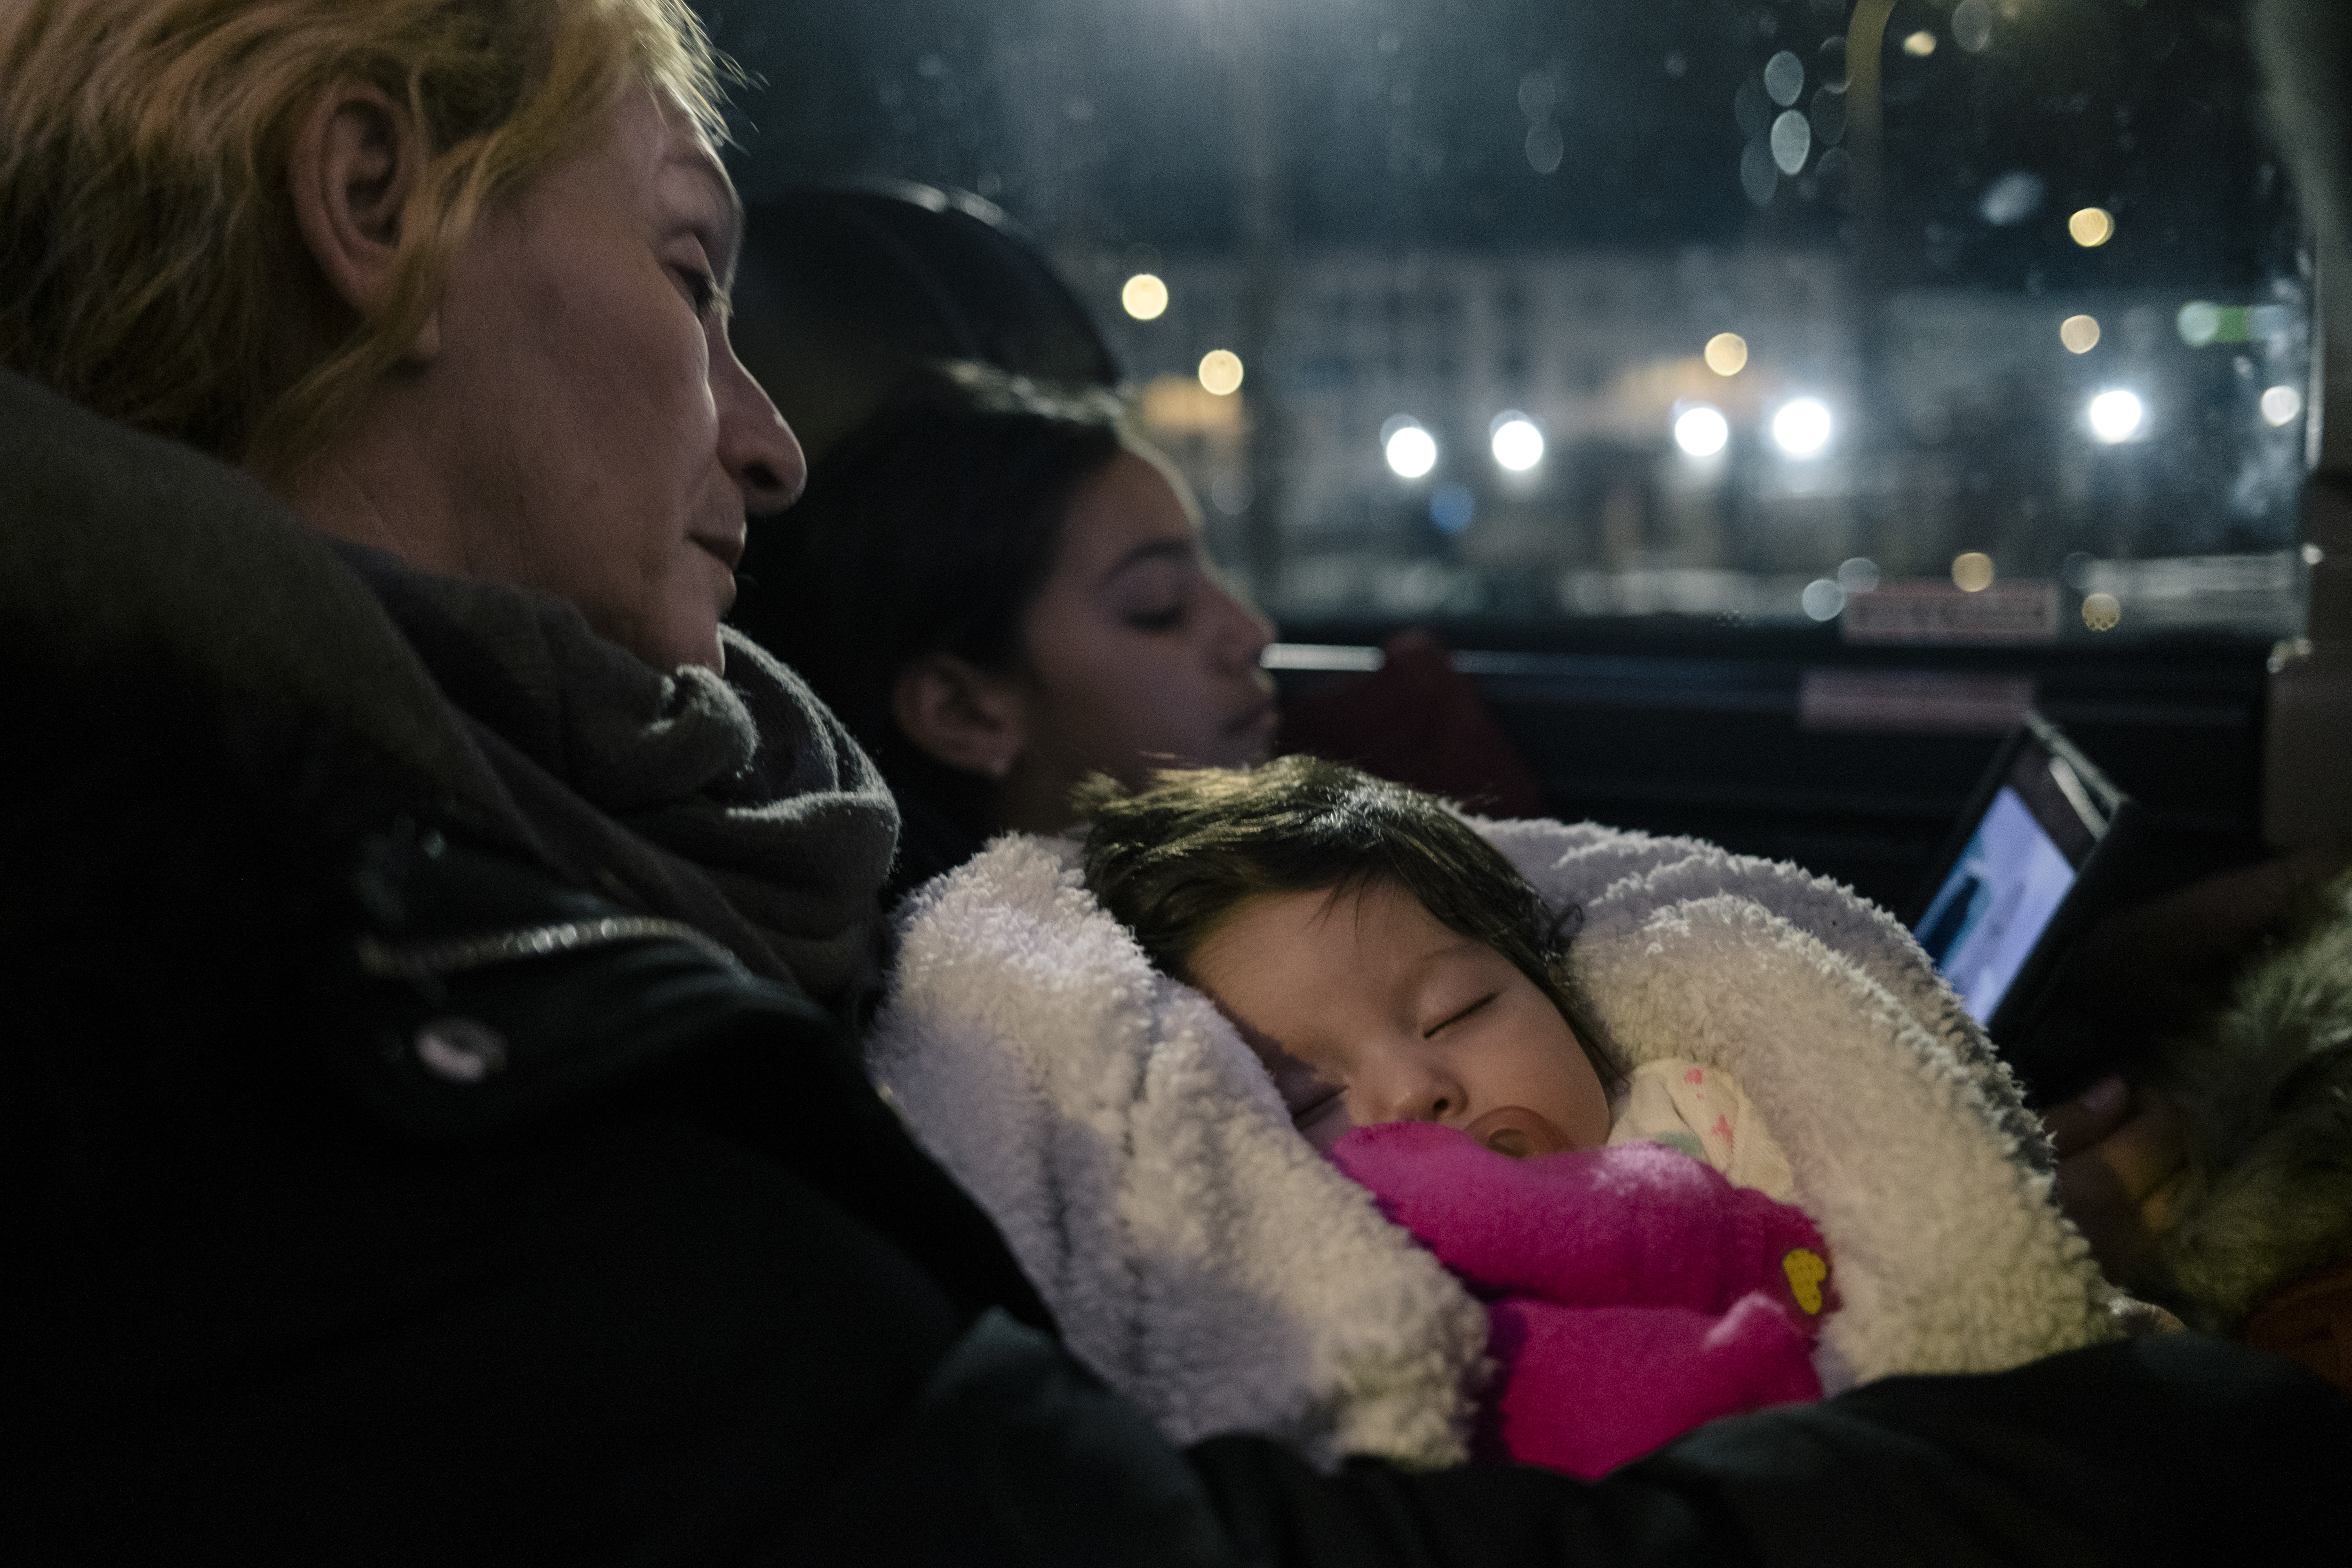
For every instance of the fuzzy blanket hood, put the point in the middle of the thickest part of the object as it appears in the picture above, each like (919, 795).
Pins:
(1211, 1266)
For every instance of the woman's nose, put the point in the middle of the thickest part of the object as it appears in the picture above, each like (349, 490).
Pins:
(756, 447)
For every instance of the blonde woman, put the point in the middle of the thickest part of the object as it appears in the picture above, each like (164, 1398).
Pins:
(450, 279)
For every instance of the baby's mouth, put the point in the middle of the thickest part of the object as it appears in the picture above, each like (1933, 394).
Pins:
(1516, 1131)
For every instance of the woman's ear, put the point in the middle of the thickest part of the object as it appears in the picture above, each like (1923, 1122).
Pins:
(961, 714)
(356, 159)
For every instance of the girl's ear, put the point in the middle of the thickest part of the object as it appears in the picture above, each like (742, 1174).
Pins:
(961, 715)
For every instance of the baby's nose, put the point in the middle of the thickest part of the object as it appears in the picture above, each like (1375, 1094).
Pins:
(1417, 1093)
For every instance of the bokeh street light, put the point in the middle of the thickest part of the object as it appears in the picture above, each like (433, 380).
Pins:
(1518, 444)
(1701, 430)
(1145, 296)
(2116, 416)
(1801, 427)
(1411, 450)
(1972, 571)
(2092, 226)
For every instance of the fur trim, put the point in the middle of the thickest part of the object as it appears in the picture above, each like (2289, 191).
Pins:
(1911, 1145)
(2266, 1094)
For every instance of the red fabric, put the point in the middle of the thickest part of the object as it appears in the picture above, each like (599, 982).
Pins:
(2311, 1323)
(1632, 1293)
(1417, 721)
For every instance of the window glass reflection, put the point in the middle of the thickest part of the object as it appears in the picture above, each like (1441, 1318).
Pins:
(1533, 311)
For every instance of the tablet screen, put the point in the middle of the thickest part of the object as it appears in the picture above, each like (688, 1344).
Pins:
(1993, 908)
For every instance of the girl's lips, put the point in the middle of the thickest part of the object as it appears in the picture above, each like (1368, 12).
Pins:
(1516, 1130)
(1258, 716)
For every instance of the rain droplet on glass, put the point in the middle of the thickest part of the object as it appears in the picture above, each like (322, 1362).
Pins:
(1545, 146)
(2012, 198)
(1973, 25)
(1793, 142)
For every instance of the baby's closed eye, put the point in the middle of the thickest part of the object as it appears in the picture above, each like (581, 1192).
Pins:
(1456, 1016)
(1320, 1101)
(1305, 1092)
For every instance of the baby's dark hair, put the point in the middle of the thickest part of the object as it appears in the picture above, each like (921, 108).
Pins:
(1172, 860)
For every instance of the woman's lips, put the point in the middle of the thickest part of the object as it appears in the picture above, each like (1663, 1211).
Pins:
(727, 548)
(1516, 1130)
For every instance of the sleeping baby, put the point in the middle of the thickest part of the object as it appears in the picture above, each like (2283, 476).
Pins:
(1631, 1236)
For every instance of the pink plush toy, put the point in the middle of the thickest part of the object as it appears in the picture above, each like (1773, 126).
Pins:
(1631, 1292)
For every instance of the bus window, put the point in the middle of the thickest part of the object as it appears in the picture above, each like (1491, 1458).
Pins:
(1974, 321)
(1768, 400)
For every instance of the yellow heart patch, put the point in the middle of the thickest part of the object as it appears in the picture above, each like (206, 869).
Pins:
(1806, 1269)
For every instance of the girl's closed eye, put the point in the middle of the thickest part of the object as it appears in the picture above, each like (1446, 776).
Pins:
(1156, 594)
(1157, 619)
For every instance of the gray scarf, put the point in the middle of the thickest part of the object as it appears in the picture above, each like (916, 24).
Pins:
(739, 805)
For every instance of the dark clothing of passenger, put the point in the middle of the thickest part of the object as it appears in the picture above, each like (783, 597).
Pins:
(932, 841)
(739, 806)
(382, 1186)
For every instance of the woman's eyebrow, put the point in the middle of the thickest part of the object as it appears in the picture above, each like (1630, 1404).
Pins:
(727, 214)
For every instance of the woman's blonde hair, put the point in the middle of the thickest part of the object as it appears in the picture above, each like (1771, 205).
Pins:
(148, 252)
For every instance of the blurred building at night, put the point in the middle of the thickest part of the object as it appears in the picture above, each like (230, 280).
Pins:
(1968, 429)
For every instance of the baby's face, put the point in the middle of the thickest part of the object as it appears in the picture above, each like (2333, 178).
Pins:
(1365, 1009)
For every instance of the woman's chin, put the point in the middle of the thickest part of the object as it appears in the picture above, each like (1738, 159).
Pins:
(672, 649)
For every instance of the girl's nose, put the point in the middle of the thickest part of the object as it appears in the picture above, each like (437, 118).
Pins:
(1242, 634)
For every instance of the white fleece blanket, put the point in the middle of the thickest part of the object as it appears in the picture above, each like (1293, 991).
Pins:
(1211, 1266)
